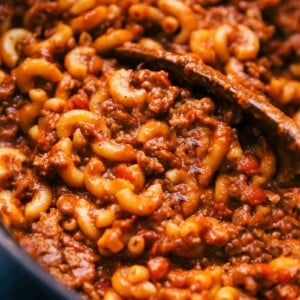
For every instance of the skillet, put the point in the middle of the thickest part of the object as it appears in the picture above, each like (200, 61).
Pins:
(54, 289)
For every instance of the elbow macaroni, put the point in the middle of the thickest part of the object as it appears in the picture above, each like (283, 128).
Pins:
(31, 68)
(112, 39)
(69, 172)
(10, 43)
(70, 120)
(90, 19)
(101, 187)
(81, 61)
(122, 91)
(142, 12)
(126, 183)
(56, 42)
(143, 204)
(40, 202)
(185, 16)
(114, 151)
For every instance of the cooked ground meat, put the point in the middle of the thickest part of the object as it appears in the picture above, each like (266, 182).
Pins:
(125, 183)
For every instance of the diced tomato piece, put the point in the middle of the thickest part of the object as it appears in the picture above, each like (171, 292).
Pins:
(248, 164)
(78, 101)
(254, 195)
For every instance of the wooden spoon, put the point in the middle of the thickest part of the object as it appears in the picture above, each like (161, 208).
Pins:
(194, 72)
